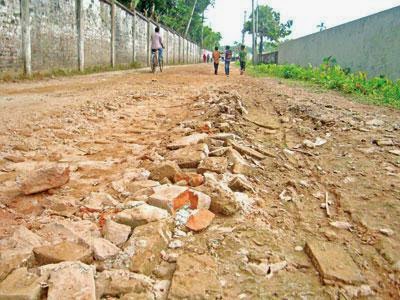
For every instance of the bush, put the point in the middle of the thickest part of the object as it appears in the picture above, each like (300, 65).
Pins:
(330, 75)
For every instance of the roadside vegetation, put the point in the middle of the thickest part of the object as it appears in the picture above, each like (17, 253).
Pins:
(329, 75)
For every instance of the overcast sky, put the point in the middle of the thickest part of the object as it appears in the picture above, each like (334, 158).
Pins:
(227, 15)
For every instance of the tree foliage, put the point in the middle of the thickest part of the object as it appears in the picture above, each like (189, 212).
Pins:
(176, 15)
(270, 27)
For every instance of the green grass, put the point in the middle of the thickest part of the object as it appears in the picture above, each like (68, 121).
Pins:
(14, 76)
(330, 76)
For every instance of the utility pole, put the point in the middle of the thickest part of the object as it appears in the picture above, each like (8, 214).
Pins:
(202, 30)
(254, 32)
(257, 13)
(244, 24)
(190, 20)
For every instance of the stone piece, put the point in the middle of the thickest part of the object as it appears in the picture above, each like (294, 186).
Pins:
(195, 278)
(172, 198)
(223, 201)
(64, 251)
(333, 263)
(148, 240)
(190, 156)
(142, 214)
(165, 270)
(239, 164)
(133, 187)
(116, 283)
(115, 232)
(200, 220)
(213, 164)
(161, 289)
(224, 136)
(394, 152)
(341, 225)
(23, 238)
(163, 170)
(13, 259)
(99, 201)
(164, 195)
(70, 280)
(240, 184)
(187, 141)
(43, 179)
(21, 285)
(103, 249)
(191, 179)
(384, 142)
(247, 150)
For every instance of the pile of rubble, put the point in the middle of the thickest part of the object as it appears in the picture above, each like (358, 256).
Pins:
(127, 243)
(183, 216)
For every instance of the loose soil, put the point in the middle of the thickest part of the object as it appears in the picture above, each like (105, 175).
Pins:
(104, 118)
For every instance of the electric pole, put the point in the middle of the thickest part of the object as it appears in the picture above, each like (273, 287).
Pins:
(257, 12)
(254, 32)
(244, 24)
(202, 30)
(190, 20)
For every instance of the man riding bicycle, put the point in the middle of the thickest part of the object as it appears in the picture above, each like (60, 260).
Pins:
(157, 45)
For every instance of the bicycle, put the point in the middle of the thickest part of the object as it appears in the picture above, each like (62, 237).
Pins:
(155, 60)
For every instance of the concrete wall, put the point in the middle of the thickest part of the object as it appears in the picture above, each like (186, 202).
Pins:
(10, 35)
(53, 34)
(97, 33)
(63, 33)
(370, 44)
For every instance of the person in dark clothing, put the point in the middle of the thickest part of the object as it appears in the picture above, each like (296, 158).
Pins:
(228, 58)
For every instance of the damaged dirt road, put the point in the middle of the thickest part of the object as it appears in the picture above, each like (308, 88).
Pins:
(185, 185)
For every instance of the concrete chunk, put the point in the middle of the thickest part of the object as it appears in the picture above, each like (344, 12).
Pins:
(195, 278)
(142, 214)
(104, 249)
(163, 170)
(187, 141)
(70, 280)
(115, 232)
(116, 283)
(173, 197)
(148, 240)
(333, 263)
(190, 156)
(213, 164)
(21, 285)
(64, 251)
(43, 179)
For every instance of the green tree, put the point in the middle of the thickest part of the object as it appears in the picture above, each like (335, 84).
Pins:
(270, 27)
(177, 14)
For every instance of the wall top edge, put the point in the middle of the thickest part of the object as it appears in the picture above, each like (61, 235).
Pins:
(140, 15)
(393, 9)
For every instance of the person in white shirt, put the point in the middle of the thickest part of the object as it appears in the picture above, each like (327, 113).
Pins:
(156, 43)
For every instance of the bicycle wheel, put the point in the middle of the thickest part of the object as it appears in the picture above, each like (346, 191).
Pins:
(154, 63)
(161, 64)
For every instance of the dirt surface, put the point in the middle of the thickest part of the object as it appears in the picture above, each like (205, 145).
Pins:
(321, 217)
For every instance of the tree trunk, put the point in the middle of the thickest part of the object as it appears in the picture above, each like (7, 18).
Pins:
(261, 44)
(190, 20)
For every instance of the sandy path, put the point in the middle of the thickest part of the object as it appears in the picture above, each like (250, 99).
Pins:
(122, 120)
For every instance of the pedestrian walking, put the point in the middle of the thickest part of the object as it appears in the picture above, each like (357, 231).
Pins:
(242, 59)
(228, 58)
(204, 57)
(216, 56)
